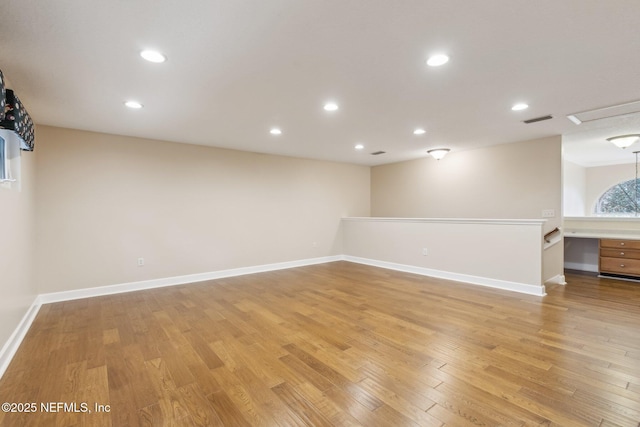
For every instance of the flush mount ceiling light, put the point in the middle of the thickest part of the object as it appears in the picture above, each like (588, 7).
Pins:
(359, 147)
(275, 131)
(133, 104)
(330, 106)
(624, 141)
(419, 131)
(438, 153)
(437, 60)
(153, 56)
(519, 107)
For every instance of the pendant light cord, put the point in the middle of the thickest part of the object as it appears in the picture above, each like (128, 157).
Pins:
(636, 183)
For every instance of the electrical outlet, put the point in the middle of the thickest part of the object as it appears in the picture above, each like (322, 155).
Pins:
(140, 262)
(425, 252)
(548, 213)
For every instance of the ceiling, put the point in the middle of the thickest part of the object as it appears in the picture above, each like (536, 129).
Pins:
(236, 68)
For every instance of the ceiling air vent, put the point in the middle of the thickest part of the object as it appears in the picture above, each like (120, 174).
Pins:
(538, 119)
(376, 153)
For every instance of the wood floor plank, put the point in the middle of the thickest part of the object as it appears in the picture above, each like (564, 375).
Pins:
(336, 344)
(200, 409)
(227, 411)
(242, 398)
(326, 406)
(417, 414)
(266, 399)
(308, 414)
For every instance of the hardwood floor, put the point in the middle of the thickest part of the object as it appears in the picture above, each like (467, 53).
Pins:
(336, 344)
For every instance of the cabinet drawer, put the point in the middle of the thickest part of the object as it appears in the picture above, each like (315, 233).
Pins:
(620, 266)
(619, 243)
(620, 253)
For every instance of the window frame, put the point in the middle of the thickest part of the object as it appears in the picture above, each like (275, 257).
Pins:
(10, 154)
(625, 190)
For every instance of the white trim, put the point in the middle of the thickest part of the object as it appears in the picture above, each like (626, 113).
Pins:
(13, 343)
(603, 218)
(475, 280)
(179, 280)
(591, 268)
(451, 220)
(558, 279)
(603, 234)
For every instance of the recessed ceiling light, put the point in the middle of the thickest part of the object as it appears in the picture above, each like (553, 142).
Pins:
(275, 131)
(419, 131)
(437, 60)
(153, 56)
(330, 106)
(519, 107)
(359, 147)
(133, 104)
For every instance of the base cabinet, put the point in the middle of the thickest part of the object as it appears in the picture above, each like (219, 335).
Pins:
(620, 257)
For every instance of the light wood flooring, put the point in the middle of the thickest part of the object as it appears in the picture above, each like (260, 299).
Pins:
(336, 344)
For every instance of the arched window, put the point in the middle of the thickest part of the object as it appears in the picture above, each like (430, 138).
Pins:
(620, 200)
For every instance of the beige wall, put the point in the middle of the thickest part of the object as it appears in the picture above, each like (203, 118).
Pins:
(503, 181)
(104, 201)
(453, 249)
(515, 181)
(17, 256)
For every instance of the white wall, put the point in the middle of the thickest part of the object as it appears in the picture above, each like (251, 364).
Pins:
(583, 186)
(105, 200)
(575, 189)
(601, 178)
(17, 249)
(582, 189)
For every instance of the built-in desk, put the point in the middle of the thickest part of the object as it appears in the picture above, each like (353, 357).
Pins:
(593, 243)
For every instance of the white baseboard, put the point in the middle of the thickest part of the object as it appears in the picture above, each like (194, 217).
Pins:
(591, 268)
(179, 280)
(13, 343)
(558, 279)
(475, 280)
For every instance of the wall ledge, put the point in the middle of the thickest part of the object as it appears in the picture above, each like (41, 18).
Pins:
(450, 220)
(603, 218)
(602, 234)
